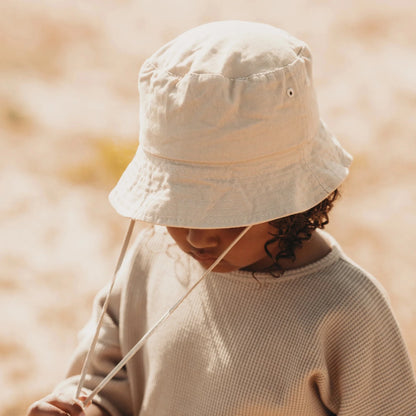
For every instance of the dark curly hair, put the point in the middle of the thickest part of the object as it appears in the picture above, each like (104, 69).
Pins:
(293, 230)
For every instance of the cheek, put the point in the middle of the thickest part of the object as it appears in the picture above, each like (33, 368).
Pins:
(179, 235)
(247, 252)
(252, 249)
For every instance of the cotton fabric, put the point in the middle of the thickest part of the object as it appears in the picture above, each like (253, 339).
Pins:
(320, 340)
(229, 123)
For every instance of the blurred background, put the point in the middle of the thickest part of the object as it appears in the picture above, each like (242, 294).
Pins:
(69, 125)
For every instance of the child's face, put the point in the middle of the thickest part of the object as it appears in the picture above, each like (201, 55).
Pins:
(208, 244)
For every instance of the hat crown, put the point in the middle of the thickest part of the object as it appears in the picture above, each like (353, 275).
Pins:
(230, 133)
(226, 92)
(231, 49)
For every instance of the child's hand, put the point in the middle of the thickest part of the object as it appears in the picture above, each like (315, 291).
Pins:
(56, 405)
(63, 404)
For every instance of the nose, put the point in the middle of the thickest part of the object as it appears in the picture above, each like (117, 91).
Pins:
(202, 239)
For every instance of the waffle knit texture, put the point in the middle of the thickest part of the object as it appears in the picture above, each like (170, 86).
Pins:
(320, 340)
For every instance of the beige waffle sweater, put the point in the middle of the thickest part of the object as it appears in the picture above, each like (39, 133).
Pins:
(321, 340)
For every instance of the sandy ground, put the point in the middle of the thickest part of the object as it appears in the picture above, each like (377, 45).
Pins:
(68, 112)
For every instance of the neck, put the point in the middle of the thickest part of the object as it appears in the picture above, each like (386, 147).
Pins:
(311, 251)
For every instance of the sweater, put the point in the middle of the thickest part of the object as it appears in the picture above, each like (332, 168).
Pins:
(319, 340)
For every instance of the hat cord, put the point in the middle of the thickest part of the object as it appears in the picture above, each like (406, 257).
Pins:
(140, 343)
(93, 344)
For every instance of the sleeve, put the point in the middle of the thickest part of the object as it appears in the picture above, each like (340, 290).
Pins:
(115, 396)
(368, 365)
(122, 395)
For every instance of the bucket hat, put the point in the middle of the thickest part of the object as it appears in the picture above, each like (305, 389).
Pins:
(230, 133)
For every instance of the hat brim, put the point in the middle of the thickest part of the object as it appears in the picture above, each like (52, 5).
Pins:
(195, 195)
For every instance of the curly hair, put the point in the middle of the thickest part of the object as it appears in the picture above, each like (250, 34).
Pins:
(293, 230)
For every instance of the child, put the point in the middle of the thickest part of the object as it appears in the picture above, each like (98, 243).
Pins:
(232, 152)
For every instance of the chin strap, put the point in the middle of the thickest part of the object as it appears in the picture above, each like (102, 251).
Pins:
(141, 342)
(104, 310)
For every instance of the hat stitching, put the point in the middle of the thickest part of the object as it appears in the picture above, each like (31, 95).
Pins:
(256, 75)
(172, 189)
(268, 156)
(165, 219)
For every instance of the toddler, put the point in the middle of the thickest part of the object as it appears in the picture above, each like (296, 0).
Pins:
(235, 302)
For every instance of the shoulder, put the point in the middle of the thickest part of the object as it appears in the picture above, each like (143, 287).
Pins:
(359, 320)
(349, 283)
(361, 344)
(356, 286)
(337, 291)
(357, 303)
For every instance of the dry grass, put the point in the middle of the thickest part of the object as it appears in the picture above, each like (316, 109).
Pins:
(107, 158)
(68, 114)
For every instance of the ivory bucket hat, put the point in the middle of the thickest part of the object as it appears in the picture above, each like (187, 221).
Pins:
(230, 133)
